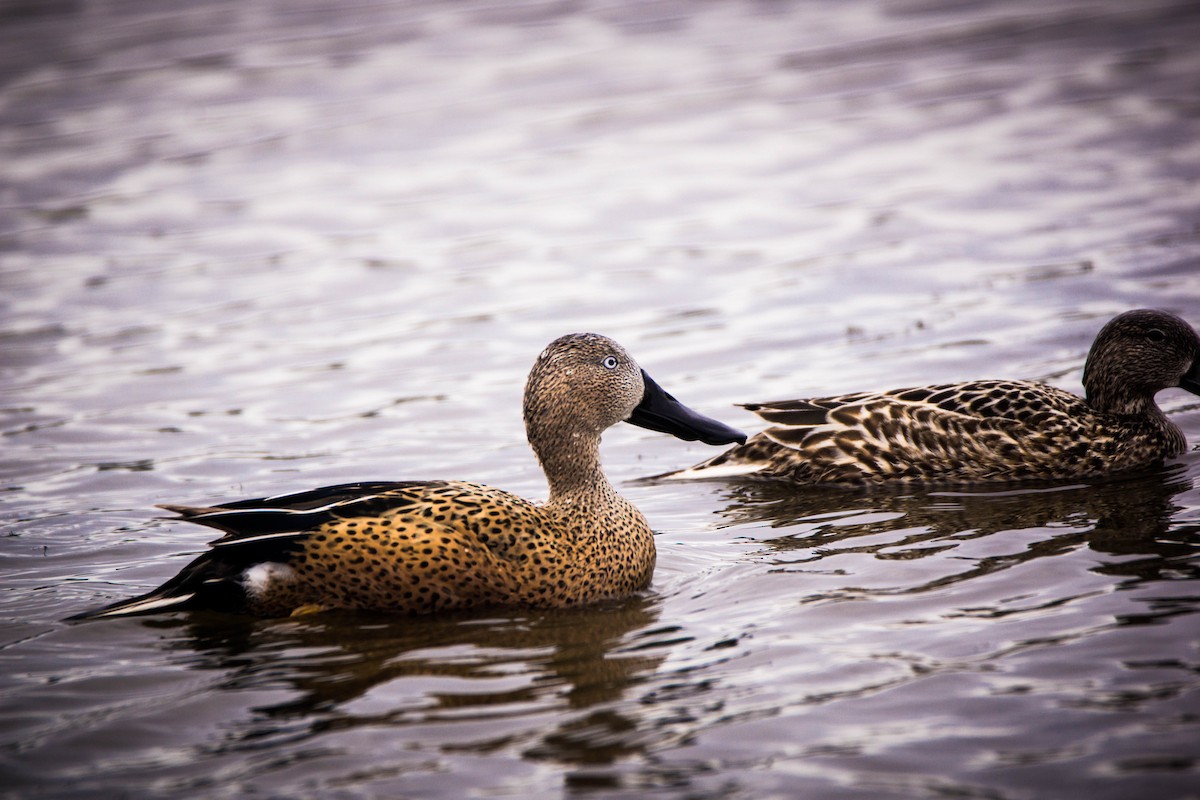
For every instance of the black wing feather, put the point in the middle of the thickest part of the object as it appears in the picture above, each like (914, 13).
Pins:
(300, 512)
(315, 498)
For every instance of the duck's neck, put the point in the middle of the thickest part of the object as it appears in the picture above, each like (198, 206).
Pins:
(571, 461)
(1112, 401)
(1110, 394)
(1141, 414)
(1112, 387)
(1132, 400)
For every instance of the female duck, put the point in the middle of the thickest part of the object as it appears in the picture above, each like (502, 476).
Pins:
(989, 430)
(424, 546)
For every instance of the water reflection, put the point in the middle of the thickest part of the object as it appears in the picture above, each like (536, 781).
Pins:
(1127, 516)
(347, 671)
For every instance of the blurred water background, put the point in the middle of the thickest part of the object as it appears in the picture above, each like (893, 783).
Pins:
(248, 248)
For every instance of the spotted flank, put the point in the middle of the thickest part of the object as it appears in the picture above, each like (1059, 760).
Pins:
(988, 430)
(425, 546)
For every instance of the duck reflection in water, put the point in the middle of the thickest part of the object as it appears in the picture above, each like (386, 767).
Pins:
(1127, 516)
(366, 671)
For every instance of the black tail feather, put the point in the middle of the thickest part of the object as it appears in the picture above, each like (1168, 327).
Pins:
(207, 583)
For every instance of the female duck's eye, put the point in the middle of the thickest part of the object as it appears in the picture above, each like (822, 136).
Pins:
(609, 362)
(1156, 336)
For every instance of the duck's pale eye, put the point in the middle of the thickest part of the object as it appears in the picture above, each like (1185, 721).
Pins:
(609, 362)
(1156, 336)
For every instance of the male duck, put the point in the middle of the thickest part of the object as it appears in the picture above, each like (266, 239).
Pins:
(990, 430)
(424, 546)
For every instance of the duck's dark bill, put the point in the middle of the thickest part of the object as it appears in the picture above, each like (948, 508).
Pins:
(1190, 381)
(661, 412)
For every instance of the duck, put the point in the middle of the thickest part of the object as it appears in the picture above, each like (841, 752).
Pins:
(420, 547)
(984, 431)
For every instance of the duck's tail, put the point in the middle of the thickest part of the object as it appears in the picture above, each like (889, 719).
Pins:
(206, 583)
(739, 461)
(150, 603)
(260, 536)
(706, 470)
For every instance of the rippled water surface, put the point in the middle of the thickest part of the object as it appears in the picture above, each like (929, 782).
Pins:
(248, 248)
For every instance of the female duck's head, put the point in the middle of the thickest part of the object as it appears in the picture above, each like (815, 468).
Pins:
(1138, 354)
(584, 383)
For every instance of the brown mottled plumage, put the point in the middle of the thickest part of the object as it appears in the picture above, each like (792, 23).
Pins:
(990, 430)
(418, 547)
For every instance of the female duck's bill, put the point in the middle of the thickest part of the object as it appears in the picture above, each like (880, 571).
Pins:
(425, 546)
(988, 430)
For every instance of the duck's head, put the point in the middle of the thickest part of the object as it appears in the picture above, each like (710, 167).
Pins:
(585, 382)
(1137, 354)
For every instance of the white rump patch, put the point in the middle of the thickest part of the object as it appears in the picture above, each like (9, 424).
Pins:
(257, 580)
